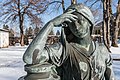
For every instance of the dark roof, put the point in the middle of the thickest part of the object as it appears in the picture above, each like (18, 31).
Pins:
(4, 30)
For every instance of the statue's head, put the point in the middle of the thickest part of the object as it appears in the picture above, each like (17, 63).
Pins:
(84, 24)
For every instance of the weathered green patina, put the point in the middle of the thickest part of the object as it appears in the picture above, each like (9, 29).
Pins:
(75, 57)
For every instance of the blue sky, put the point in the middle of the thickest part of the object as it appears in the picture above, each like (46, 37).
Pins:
(48, 16)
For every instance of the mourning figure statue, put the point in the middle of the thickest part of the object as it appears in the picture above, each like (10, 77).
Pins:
(75, 57)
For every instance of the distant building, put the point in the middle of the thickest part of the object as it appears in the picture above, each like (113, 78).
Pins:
(51, 39)
(4, 38)
(30, 38)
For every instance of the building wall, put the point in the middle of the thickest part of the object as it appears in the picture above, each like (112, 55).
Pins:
(4, 38)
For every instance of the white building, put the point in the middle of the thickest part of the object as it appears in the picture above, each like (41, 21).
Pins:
(4, 38)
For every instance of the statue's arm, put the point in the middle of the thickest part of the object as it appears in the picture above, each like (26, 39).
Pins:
(37, 56)
(109, 74)
(42, 67)
(39, 41)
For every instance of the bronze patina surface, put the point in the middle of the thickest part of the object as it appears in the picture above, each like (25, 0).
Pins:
(75, 57)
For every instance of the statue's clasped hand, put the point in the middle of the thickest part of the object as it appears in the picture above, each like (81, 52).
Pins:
(65, 17)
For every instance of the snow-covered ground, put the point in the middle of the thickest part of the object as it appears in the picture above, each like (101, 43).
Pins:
(12, 66)
(116, 63)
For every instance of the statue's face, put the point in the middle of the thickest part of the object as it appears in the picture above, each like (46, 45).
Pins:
(81, 27)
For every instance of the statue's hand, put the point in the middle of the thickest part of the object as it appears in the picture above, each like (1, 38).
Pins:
(65, 17)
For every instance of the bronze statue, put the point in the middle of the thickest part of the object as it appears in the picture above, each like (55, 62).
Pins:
(75, 57)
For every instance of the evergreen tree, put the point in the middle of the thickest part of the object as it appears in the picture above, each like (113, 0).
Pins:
(30, 32)
(36, 30)
(58, 32)
(6, 27)
(11, 37)
(11, 34)
(26, 32)
(19, 11)
(26, 37)
(51, 33)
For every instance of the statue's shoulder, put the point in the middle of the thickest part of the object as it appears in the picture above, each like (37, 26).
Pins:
(101, 48)
(55, 52)
(102, 51)
(102, 54)
(55, 49)
(100, 45)
(55, 46)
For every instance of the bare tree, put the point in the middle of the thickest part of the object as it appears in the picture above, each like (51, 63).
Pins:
(73, 1)
(63, 6)
(116, 26)
(21, 10)
(106, 5)
(106, 23)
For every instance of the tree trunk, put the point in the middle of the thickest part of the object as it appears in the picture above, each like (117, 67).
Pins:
(22, 39)
(116, 26)
(73, 1)
(108, 5)
(105, 27)
(100, 38)
(63, 7)
(104, 22)
(21, 25)
(21, 31)
(115, 35)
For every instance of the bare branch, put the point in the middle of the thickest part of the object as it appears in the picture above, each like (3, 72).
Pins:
(94, 3)
(86, 1)
(7, 3)
(23, 10)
